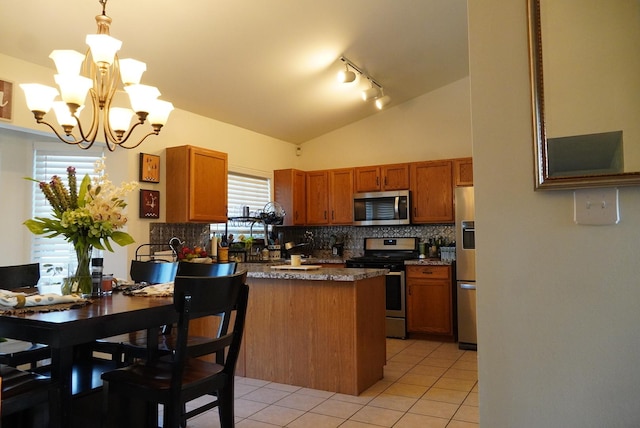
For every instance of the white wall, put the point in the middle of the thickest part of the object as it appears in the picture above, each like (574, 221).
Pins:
(436, 125)
(558, 304)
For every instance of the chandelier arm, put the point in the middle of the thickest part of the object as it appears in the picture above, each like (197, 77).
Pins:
(75, 141)
(139, 142)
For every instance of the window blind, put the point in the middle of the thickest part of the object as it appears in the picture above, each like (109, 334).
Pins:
(245, 190)
(47, 163)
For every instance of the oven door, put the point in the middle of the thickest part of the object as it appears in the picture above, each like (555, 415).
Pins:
(395, 288)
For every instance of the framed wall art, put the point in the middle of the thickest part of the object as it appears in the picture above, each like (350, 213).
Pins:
(6, 100)
(149, 168)
(149, 203)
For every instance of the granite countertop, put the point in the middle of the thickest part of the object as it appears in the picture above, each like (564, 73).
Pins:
(264, 270)
(429, 262)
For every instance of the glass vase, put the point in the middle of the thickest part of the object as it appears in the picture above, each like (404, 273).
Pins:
(81, 283)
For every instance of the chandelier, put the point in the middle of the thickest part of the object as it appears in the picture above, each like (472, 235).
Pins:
(98, 73)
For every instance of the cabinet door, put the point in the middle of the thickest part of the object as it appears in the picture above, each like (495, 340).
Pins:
(367, 179)
(341, 196)
(395, 177)
(463, 171)
(429, 306)
(317, 197)
(196, 185)
(289, 187)
(432, 192)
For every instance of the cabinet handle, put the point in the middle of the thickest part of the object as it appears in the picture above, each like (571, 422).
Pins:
(325, 215)
(333, 215)
(377, 181)
(427, 272)
(385, 181)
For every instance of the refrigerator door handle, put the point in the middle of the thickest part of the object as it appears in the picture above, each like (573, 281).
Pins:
(466, 286)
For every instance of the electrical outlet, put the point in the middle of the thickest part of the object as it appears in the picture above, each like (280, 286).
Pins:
(596, 206)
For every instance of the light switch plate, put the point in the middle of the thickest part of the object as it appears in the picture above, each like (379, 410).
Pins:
(596, 206)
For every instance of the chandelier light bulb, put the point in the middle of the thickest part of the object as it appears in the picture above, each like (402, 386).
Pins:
(39, 97)
(68, 62)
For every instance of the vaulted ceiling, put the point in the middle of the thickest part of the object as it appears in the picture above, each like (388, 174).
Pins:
(265, 65)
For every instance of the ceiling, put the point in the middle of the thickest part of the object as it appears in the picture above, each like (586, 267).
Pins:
(265, 65)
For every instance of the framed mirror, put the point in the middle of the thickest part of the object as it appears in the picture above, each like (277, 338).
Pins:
(585, 85)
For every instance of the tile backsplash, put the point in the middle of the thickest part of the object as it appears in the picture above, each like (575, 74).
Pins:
(199, 234)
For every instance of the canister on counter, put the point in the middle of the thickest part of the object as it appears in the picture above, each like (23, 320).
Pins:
(223, 254)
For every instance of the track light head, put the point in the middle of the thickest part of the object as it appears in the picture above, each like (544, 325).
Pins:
(346, 76)
(383, 101)
(371, 93)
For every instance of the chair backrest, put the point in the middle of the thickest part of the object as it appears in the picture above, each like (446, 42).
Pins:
(206, 269)
(196, 297)
(18, 276)
(152, 272)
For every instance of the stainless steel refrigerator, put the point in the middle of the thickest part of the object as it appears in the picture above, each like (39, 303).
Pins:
(466, 268)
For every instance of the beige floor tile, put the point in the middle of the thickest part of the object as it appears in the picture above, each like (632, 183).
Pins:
(422, 369)
(465, 365)
(471, 400)
(356, 424)
(418, 379)
(436, 362)
(391, 375)
(393, 402)
(378, 416)
(462, 424)
(283, 387)
(300, 401)
(470, 356)
(266, 395)
(241, 389)
(377, 388)
(397, 365)
(338, 409)
(315, 420)
(361, 399)
(245, 408)
(315, 392)
(461, 374)
(250, 381)
(406, 358)
(411, 420)
(467, 414)
(248, 423)
(438, 409)
(276, 415)
(445, 354)
(445, 395)
(455, 384)
(406, 390)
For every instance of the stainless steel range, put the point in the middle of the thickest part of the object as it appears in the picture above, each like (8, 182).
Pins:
(390, 253)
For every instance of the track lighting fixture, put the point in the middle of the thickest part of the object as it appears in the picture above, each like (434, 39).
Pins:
(383, 101)
(370, 94)
(374, 92)
(346, 76)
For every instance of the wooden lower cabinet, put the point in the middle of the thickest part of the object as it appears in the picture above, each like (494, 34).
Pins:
(430, 302)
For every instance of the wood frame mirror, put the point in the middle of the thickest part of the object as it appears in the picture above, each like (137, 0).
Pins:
(586, 110)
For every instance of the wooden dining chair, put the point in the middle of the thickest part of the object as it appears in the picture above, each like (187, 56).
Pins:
(121, 347)
(26, 398)
(16, 352)
(206, 269)
(178, 378)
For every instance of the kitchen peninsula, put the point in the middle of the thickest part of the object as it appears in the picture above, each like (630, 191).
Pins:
(321, 329)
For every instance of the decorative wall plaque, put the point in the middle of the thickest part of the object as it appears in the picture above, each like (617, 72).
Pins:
(149, 203)
(149, 168)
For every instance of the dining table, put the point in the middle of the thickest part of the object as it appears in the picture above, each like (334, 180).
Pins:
(65, 330)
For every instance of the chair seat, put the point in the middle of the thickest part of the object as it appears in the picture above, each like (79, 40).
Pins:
(157, 376)
(17, 352)
(22, 390)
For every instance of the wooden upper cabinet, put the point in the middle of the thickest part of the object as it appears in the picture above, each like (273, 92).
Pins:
(432, 192)
(330, 196)
(382, 177)
(463, 171)
(196, 185)
(341, 196)
(317, 188)
(290, 192)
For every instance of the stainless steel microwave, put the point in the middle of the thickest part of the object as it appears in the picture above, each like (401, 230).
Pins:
(381, 208)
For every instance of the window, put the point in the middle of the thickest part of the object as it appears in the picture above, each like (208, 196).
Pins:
(245, 190)
(56, 251)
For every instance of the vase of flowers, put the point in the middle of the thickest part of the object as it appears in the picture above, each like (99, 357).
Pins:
(88, 216)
